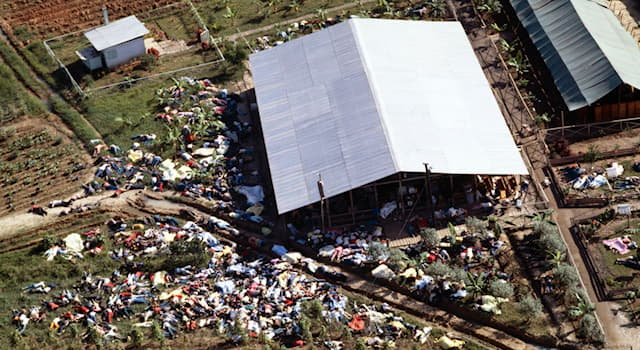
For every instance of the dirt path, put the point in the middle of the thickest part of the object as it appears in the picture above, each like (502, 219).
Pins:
(262, 29)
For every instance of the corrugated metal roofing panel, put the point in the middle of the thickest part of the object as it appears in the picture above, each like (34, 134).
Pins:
(369, 98)
(116, 32)
(585, 47)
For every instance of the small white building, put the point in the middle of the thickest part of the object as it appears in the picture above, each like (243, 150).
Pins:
(114, 44)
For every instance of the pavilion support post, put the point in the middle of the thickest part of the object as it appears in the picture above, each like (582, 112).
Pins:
(400, 193)
(321, 192)
(427, 180)
(328, 212)
(351, 206)
(375, 196)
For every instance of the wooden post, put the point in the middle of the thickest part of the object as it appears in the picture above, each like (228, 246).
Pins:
(430, 208)
(321, 192)
(562, 123)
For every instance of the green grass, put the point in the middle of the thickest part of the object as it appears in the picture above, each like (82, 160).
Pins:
(608, 256)
(104, 108)
(73, 120)
(249, 15)
(11, 57)
(15, 101)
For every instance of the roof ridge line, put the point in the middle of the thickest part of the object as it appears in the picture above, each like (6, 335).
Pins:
(373, 89)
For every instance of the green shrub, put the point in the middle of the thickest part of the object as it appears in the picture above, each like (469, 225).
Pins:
(589, 329)
(566, 275)
(378, 250)
(137, 337)
(438, 269)
(474, 225)
(501, 288)
(530, 307)
(148, 62)
(430, 237)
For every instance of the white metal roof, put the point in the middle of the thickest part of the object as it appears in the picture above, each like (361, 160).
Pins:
(116, 32)
(368, 98)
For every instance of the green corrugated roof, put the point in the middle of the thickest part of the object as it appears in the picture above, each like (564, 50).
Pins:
(584, 45)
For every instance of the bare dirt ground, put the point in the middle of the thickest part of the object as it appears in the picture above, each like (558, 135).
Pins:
(621, 140)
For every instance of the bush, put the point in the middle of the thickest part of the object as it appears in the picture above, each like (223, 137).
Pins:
(530, 307)
(148, 62)
(550, 239)
(474, 225)
(312, 309)
(234, 53)
(566, 275)
(589, 329)
(430, 237)
(398, 258)
(47, 242)
(137, 337)
(501, 288)
(378, 251)
(438, 269)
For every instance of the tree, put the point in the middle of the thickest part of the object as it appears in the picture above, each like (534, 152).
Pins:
(581, 308)
(555, 258)
(321, 14)
(430, 237)
(550, 239)
(530, 307)
(501, 288)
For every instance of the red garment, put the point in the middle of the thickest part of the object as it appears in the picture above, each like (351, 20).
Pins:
(357, 323)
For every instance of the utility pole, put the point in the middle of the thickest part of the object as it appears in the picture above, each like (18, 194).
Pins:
(321, 192)
(427, 180)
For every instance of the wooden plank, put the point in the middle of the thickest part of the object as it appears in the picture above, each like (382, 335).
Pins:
(597, 111)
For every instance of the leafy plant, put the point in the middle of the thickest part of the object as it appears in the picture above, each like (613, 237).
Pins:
(476, 285)
(592, 154)
(430, 237)
(530, 307)
(500, 288)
